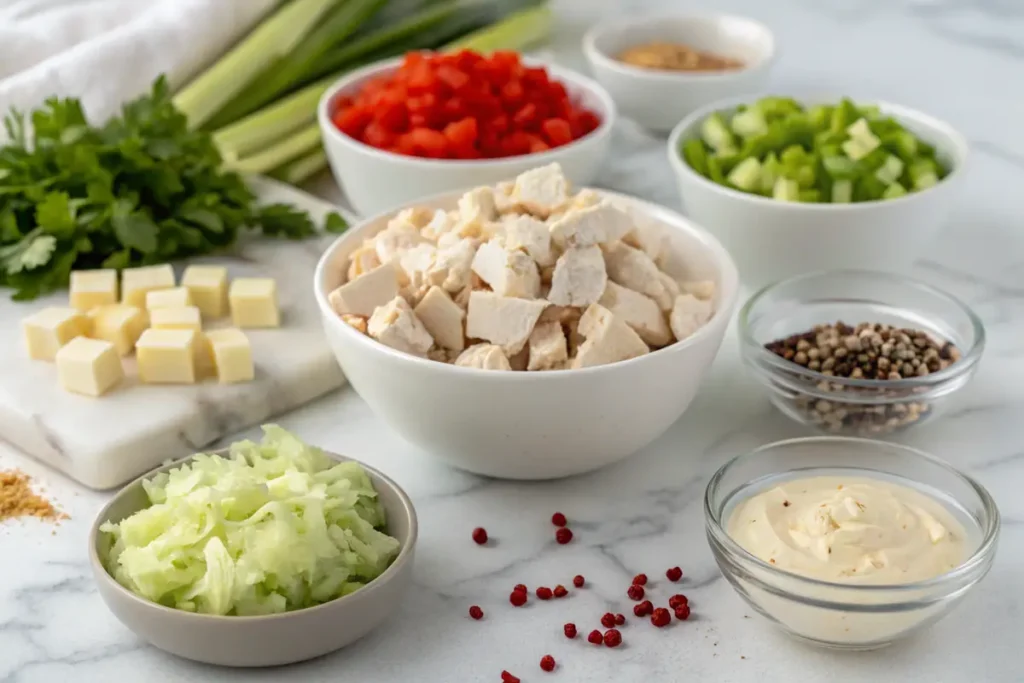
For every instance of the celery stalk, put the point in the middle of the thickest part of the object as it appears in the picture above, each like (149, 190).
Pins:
(301, 169)
(514, 32)
(303, 142)
(271, 123)
(272, 39)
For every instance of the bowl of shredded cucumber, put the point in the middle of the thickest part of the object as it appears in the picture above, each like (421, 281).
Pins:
(798, 186)
(260, 554)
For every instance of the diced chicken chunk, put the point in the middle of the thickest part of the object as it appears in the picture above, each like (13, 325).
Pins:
(396, 325)
(368, 291)
(609, 339)
(363, 260)
(503, 320)
(483, 357)
(530, 235)
(634, 269)
(410, 220)
(508, 272)
(416, 262)
(548, 347)
(639, 312)
(355, 321)
(541, 191)
(667, 298)
(443, 318)
(649, 239)
(453, 265)
(689, 314)
(579, 278)
(438, 225)
(478, 205)
(599, 224)
(396, 238)
(702, 289)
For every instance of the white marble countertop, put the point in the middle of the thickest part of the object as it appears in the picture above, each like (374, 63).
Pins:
(959, 60)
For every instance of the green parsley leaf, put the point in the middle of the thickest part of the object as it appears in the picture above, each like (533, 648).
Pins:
(55, 216)
(335, 224)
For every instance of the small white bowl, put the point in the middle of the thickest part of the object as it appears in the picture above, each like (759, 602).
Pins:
(375, 180)
(773, 240)
(533, 425)
(657, 99)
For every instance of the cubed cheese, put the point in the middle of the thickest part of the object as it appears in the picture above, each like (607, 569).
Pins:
(167, 356)
(579, 278)
(639, 312)
(232, 355)
(478, 205)
(136, 282)
(453, 265)
(363, 260)
(689, 314)
(176, 318)
(483, 357)
(600, 224)
(548, 347)
(175, 297)
(528, 234)
(254, 302)
(609, 339)
(702, 289)
(119, 324)
(46, 331)
(92, 288)
(541, 191)
(89, 366)
(395, 324)
(634, 269)
(502, 320)
(368, 291)
(443, 318)
(208, 288)
(510, 273)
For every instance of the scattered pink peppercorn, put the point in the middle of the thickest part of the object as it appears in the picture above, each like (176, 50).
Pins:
(683, 612)
(661, 617)
(674, 574)
(635, 592)
(569, 630)
(480, 535)
(547, 662)
(640, 580)
(476, 612)
(563, 535)
(595, 637)
(578, 581)
(612, 638)
(558, 519)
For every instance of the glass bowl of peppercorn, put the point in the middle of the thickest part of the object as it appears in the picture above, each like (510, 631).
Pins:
(859, 352)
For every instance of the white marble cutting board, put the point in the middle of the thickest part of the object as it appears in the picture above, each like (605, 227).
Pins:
(103, 442)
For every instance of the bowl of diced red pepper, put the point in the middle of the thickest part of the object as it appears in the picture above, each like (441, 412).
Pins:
(427, 123)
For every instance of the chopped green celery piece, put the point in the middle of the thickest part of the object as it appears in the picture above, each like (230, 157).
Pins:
(820, 116)
(869, 111)
(797, 130)
(794, 154)
(874, 160)
(830, 150)
(716, 133)
(890, 170)
(806, 176)
(841, 167)
(741, 107)
(809, 196)
(786, 190)
(696, 156)
(749, 123)
(715, 170)
(746, 175)
(859, 147)
(777, 107)
(859, 129)
(827, 137)
(842, 191)
(843, 115)
(727, 160)
(902, 143)
(761, 145)
(923, 173)
(771, 169)
(924, 149)
(884, 126)
(868, 188)
(893, 191)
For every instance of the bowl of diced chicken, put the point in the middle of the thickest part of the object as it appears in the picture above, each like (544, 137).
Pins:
(527, 330)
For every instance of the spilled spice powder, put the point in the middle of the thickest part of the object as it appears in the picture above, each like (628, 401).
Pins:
(17, 499)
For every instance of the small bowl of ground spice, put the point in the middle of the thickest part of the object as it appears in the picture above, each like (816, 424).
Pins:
(659, 69)
(857, 352)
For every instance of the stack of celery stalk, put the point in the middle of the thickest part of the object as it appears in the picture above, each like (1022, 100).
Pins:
(259, 100)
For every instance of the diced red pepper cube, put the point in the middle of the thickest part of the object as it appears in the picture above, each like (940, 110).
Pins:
(352, 121)
(557, 131)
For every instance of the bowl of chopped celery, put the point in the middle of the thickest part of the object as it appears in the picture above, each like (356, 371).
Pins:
(828, 183)
(261, 554)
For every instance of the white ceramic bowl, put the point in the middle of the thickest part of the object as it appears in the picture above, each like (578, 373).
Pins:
(536, 425)
(375, 180)
(773, 240)
(658, 99)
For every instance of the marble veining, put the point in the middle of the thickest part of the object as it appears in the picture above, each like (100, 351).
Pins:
(959, 60)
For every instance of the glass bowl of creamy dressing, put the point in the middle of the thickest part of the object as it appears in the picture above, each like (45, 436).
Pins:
(849, 543)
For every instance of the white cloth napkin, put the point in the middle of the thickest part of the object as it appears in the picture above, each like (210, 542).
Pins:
(108, 51)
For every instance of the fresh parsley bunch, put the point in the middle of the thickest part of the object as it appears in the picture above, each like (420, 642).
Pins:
(141, 189)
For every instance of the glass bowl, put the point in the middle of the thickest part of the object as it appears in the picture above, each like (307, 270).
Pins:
(848, 616)
(857, 407)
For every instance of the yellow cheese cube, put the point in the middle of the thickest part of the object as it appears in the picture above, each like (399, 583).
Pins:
(205, 366)
(119, 324)
(168, 298)
(254, 302)
(51, 328)
(92, 288)
(208, 286)
(232, 355)
(167, 356)
(89, 366)
(178, 318)
(136, 282)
